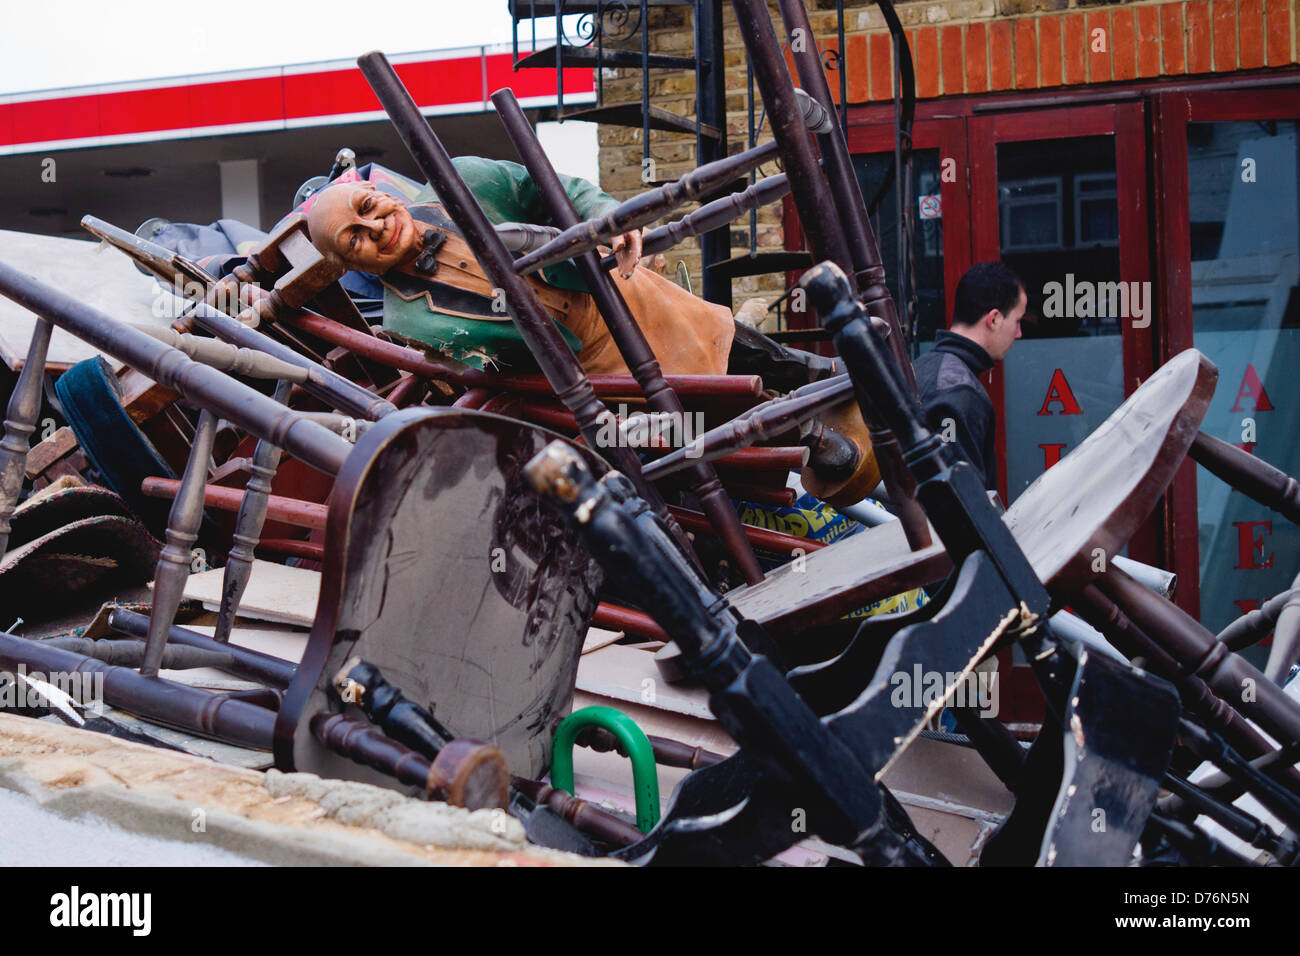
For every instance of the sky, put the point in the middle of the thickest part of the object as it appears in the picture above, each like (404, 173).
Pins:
(56, 43)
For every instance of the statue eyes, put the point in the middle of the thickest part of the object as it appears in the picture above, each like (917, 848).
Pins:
(366, 205)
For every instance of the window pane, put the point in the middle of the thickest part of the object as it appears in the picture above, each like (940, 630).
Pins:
(1065, 376)
(928, 240)
(1245, 245)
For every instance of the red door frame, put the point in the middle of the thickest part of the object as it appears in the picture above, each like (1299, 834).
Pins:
(949, 138)
(1126, 122)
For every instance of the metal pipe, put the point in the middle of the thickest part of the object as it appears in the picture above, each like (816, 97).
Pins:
(1156, 580)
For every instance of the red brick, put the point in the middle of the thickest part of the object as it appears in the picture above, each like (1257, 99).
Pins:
(1049, 50)
(927, 62)
(953, 61)
(1099, 47)
(1026, 43)
(1278, 13)
(1123, 44)
(1148, 40)
(977, 58)
(856, 64)
(1000, 55)
(1250, 33)
(1173, 39)
(1199, 51)
(830, 48)
(1223, 30)
(882, 67)
(1076, 49)
(911, 46)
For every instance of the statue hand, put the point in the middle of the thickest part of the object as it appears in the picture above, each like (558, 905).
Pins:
(627, 250)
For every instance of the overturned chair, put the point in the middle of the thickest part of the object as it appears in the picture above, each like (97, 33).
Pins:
(513, 634)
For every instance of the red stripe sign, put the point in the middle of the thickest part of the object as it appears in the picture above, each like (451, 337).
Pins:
(285, 97)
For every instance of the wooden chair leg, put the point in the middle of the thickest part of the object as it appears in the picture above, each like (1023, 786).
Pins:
(1286, 635)
(248, 527)
(1252, 477)
(1228, 675)
(1253, 626)
(182, 532)
(20, 422)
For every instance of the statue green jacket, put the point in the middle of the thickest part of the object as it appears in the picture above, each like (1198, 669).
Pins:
(506, 193)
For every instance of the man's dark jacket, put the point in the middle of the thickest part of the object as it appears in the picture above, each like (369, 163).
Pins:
(949, 386)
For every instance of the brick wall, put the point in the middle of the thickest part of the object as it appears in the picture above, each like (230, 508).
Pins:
(959, 47)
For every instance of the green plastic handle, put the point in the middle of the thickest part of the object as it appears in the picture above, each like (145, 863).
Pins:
(645, 778)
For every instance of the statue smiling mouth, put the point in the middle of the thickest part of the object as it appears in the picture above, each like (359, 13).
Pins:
(392, 237)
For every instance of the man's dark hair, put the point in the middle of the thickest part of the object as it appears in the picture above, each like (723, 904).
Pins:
(984, 287)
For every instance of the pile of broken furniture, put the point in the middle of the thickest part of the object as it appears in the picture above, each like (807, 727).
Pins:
(466, 549)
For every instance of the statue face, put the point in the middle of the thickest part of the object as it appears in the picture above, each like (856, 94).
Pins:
(364, 228)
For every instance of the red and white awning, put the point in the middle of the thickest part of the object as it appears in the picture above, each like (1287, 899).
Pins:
(275, 98)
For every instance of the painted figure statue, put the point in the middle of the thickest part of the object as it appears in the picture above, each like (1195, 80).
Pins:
(435, 292)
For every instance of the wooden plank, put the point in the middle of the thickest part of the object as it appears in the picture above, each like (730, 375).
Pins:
(276, 593)
(108, 282)
(629, 675)
(47, 452)
(598, 637)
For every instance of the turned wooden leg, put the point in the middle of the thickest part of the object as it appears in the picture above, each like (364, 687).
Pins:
(1228, 675)
(1251, 476)
(248, 527)
(182, 531)
(20, 422)
(1286, 635)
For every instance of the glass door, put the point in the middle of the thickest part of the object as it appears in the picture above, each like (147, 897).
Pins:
(1058, 210)
(940, 196)
(1237, 234)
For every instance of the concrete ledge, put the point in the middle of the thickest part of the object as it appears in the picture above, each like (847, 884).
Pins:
(276, 818)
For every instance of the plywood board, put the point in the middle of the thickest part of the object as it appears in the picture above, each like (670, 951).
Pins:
(627, 674)
(100, 277)
(275, 593)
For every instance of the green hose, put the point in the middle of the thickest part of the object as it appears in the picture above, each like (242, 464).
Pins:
(645, 778)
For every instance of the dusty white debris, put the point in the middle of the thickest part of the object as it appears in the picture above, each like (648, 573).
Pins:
(399, 816)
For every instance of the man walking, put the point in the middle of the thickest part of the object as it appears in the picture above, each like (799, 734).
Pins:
(988, 307)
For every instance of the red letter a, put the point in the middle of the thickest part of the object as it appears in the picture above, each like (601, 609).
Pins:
(1059, 391)
(1252, 387)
